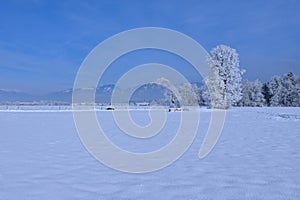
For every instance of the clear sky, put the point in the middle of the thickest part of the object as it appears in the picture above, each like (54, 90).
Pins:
(42, 43)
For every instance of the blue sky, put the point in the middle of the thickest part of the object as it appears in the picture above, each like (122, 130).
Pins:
(42, 43)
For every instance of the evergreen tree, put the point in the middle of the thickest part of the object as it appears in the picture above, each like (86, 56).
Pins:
(266, 92)
(290, 93)
(275, 90)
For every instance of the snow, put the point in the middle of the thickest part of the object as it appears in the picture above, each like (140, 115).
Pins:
(257, 157)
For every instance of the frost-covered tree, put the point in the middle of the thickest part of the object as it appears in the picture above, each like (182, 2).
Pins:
(291, 90)
(179, 95)
(275, 89)
(215, 93)
(252, 94)
(188, 95)
(205, 97)
(298, 91)
(285, 91)
(200, 93)
(205, 94)
(171, 91)
(224, 79)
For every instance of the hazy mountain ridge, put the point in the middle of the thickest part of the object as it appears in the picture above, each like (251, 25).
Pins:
(14, 96)
(149, 92)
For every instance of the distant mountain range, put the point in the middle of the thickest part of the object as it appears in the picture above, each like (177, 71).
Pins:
(146, 93)
(150, 92)
(13, 96)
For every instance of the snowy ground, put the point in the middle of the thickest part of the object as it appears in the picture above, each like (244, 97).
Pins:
(257, 157)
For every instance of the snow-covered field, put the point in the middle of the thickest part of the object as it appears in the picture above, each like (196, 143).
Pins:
(256, 157)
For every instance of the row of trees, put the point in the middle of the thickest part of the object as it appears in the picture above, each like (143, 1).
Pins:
(282, 91)
(224, 86)
(279, 91)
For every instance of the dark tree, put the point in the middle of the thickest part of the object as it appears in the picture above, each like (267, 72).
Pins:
(266, 92)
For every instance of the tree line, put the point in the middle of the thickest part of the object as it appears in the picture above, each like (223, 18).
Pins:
(224, 87)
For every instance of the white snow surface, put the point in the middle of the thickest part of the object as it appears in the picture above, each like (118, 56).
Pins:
(256, 157)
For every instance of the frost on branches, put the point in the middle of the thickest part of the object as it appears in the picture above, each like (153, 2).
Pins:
(252, 94)
(186, 93)
(224, 78)
(285, 91)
